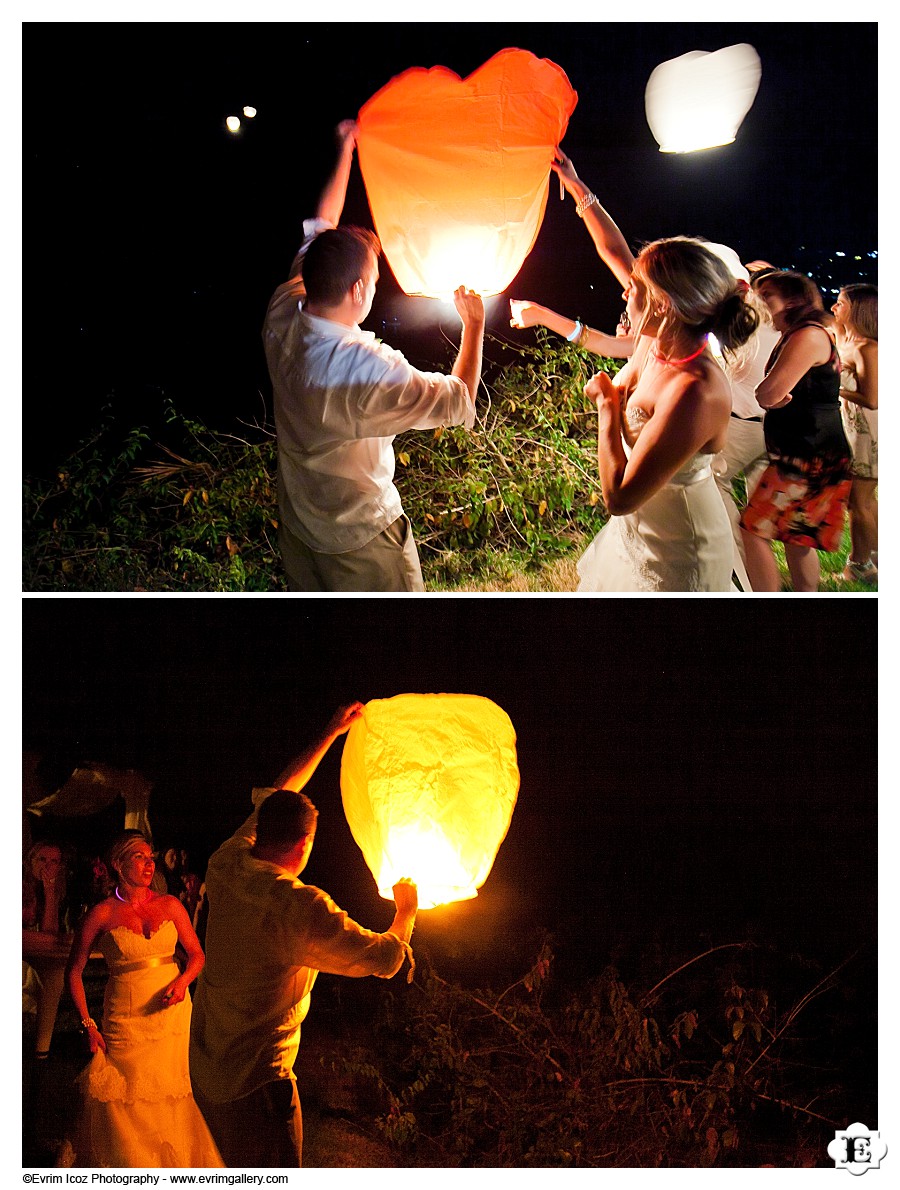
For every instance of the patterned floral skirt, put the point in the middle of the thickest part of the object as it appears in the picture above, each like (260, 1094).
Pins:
(801, 502)
(861, 429)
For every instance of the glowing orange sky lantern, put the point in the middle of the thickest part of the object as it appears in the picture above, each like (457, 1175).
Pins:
(429, 783)
(699, 100)
(456, 169)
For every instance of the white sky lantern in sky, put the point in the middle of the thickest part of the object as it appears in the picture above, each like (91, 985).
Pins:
(232, 123)
(249, 112)
(429, 783)
(456, 169)
(699, 100)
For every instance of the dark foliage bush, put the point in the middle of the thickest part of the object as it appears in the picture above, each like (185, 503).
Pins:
(706, 1068)
(198, 512)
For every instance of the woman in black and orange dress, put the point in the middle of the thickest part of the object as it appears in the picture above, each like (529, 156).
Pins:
(801, 499)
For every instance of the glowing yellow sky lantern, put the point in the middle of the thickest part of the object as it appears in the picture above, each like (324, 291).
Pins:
(429, 783)
(232, 123)
(456, 169)
(699, 100)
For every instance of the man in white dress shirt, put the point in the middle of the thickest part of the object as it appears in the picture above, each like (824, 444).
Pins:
(340, 398)
(267, 938)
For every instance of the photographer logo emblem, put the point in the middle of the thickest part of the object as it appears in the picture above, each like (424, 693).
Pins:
(857, 1149)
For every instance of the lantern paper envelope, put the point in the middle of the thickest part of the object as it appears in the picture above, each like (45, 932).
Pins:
(699, 100)
(456, 169)
(429, 783)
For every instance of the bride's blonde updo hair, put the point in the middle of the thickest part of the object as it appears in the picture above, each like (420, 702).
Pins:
(122, 847)
(695, 289)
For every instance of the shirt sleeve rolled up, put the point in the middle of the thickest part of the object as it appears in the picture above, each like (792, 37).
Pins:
(328, 939)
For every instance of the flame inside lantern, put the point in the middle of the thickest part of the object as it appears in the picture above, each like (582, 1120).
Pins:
(456, 169)
(429, 783)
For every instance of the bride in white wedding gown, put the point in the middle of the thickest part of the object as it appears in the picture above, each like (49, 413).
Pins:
(664, 419)
(661, 424)
(138, 1109)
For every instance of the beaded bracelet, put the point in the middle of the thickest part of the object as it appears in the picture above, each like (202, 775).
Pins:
(586, 200)
(88, 1023)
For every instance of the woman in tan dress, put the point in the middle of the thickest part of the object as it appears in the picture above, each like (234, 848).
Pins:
(856, 323)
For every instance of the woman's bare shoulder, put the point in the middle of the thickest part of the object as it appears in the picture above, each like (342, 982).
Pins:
(101, 915)
(703, 382)
(810, 332)
(168, 907)
(694, 401)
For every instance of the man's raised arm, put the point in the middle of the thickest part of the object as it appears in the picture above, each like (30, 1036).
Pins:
(331, 200)
(299, 771)
(470, 308)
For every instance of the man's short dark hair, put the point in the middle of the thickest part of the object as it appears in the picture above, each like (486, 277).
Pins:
(335, 260)
(284, 818)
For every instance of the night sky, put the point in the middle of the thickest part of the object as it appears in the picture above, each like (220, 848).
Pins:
(704, 769)
(698, 771)
(165, 234)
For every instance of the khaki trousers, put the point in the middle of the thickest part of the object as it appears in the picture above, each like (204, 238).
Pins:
(262, 1130)
(389, 562)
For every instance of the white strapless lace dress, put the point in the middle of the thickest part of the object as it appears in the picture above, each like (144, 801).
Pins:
(138, 1109)
(678, 540)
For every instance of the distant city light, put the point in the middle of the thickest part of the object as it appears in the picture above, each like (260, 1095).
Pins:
(232, 123)
(249, 112)
(824, 276)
